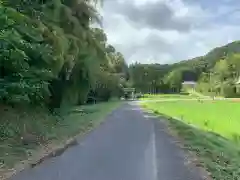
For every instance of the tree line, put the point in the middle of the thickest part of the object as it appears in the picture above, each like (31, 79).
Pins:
(216, 73)
(51, 55)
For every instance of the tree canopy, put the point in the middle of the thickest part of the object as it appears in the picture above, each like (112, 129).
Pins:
(51, 55)
(215, 73)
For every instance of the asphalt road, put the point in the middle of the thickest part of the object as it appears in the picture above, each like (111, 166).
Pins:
(128, 146)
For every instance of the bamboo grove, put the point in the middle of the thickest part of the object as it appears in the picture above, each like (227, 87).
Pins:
(51, 55)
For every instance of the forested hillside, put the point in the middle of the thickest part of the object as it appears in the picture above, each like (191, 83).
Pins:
(217, 73)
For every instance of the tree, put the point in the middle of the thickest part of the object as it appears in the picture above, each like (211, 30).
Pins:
(174, 81)
(52, 55)
(217, 69)
(25, 61)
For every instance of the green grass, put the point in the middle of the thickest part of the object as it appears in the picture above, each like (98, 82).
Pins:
(54, 129)
(166, 96)
(92, 116)
(216, 154)
(214, 138)
(222, 117)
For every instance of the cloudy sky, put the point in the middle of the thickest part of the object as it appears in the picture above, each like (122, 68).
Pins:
(167, 31)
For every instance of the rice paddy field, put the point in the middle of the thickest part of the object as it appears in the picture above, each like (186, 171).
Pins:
(164, 96)
(221, 117)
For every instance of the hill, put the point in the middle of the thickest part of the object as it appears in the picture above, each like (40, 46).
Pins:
(168, 77)
(206, 62)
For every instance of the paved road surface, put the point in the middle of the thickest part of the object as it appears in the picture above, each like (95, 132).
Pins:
(128, 146)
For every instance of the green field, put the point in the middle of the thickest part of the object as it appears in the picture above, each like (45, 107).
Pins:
(167, 96)
(215, 141)
(222, 117)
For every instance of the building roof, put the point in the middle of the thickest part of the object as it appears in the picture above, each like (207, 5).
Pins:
(189, 82)
(238, 82)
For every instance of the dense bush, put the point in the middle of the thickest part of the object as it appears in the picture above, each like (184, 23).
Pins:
(50, 55)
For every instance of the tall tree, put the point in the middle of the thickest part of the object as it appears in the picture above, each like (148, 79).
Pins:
(59, 51)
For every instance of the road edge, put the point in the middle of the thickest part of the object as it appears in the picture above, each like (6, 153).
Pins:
(191, 157)
(60, 148)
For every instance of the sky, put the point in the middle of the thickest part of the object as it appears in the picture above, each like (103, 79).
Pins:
(168, 31)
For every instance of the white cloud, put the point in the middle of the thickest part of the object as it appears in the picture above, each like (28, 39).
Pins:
(180, 31)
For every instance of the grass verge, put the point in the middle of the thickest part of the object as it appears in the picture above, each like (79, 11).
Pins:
(168, 96)
(221, 117)
(53, 130)
(218, 155)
